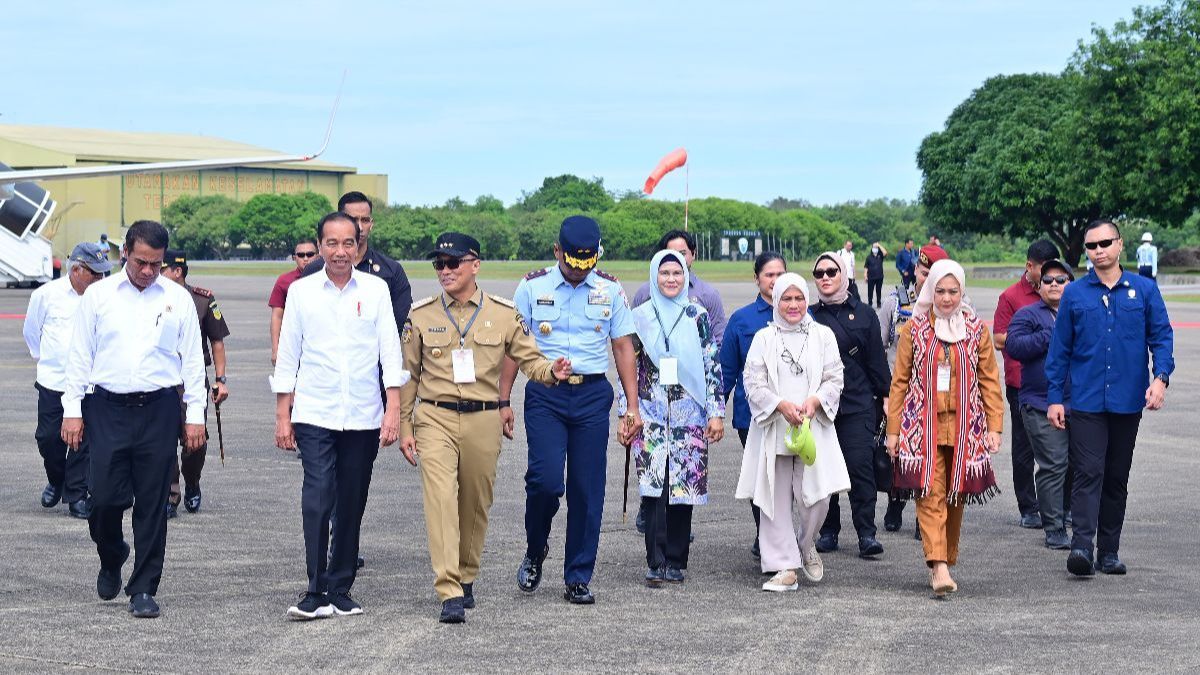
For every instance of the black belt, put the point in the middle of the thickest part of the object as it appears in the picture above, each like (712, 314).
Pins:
(466, 406)
(584, 379)
(135, 399)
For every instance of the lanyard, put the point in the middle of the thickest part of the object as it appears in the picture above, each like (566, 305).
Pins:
(667, 333)
(462, 332)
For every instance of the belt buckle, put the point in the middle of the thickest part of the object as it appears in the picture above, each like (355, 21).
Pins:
(574, 379)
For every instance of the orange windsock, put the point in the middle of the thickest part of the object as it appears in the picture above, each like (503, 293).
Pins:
(673, 160)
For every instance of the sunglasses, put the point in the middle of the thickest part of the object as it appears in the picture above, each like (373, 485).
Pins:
(1103, 243)
(308, 254)
(1060, 279)
(450, 263)
(830, 272)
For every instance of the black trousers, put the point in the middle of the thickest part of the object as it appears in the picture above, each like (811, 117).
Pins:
(742, 434)
(132, 450)
(875, 290)
(668, 527)
(66, 469)
(856, 433)
(337, 470)
(1024, 486)
(1101, 456)
(190, 464)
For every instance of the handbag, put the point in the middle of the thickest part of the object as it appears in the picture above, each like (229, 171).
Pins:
(883, 461)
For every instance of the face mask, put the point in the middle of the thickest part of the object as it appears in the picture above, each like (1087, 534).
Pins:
(875, 250)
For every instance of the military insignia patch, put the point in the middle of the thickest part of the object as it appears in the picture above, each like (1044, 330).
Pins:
(544, 328)
(406, 334)
(524, 326)
(216, 311)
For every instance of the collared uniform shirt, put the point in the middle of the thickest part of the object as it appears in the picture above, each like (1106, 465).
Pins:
(49, 322)
(129, 341)
(429, 339)
(575, 322)
(1103, 340)
(1020, 294)
(331, 347)
(702, 293)
(392, 273)
(212, 323)
(739, 334)
(1147, 256)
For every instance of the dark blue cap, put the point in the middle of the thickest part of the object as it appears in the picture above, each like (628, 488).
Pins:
(579, 239)
(454, 244)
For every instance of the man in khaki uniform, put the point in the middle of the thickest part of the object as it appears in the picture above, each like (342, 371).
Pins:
(454, 344)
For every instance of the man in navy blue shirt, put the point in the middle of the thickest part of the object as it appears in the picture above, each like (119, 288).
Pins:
(1028, 341)
(906, 263)
(1109, 323)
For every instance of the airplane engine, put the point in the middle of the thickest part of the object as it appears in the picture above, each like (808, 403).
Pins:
(24, 207)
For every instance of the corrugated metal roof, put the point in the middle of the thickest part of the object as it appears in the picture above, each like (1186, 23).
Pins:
(130, 146)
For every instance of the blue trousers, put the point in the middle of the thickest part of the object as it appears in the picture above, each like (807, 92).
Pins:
(567, 428)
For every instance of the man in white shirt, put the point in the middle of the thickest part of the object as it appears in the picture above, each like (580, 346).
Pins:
(1147, 257)
(339, 331)
(48, 325)
(846, 253)
(136, 339)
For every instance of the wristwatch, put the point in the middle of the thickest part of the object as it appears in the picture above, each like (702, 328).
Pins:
(505, 403)
(221, 379)
(1164, 378)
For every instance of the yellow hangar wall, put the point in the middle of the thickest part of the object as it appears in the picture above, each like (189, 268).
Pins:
(88, 207)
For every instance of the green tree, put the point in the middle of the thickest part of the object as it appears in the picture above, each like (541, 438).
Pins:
(200, 225)
(569, 193)
(273, 222)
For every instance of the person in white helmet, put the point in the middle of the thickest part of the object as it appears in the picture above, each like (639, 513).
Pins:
(1147, 257)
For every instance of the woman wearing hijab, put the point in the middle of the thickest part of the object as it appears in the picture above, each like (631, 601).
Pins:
(793, 373)
(679, 385)
(867, 377)
(946, 413)
(739, 333)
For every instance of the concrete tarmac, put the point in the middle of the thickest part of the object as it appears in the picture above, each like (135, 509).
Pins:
(233, 568)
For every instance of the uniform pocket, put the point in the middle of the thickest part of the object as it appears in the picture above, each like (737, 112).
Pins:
(546, 312)
(1132, 322)
(598, 312)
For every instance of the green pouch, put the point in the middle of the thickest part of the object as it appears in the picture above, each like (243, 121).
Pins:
(799, 442)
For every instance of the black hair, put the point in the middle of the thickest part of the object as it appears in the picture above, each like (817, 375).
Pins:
(1101, 222)
(765, 257)
(908, 241)
(354, 197)
(1041, 250)
(336, 215)
(305, 240)
(826, 256)
(678, 234)
(149, 232)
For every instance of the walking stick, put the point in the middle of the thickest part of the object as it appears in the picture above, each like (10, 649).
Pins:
(625, 496)
(220, 431)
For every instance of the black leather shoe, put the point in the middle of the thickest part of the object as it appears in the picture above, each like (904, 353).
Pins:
(191, 500)
(108, 581)
(691, 537)
(529, 575)
(1031, 521)
(51, 496)
(172, 510)
(893, 518)
(755, 551)
(361, 562)
(868, 547)
(81, 508)
(578, 594)
(453, 611)
(1110, 564)
(468, 595)
(654, 577)
(143, 606)
(1058, 540)
(1079, 563)
(827, 543)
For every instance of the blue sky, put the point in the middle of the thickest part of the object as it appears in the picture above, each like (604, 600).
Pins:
(816, 100)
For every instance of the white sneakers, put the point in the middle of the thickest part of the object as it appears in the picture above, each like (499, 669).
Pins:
(783, 581)
(814, 569)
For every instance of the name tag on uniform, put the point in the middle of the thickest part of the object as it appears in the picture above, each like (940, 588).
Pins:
(464, 366)
(943, 377)
(599, 298)
(545, 302)
(668, 371)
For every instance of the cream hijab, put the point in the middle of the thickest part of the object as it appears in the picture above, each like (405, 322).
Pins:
(782, 283)
(951, 326)
(843, 290)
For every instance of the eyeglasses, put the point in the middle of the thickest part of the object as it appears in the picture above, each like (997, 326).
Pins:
(1060, 279)
(450, 263)
(305, 254)
(830, 272)
(1103, 243)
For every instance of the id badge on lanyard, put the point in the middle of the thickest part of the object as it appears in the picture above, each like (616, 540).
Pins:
(668, 371)
(943, 371)
(464, 366)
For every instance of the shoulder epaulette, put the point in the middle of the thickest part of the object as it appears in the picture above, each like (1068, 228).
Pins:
(422, 302)
(202, 292)
(537, 273)
(502, 300)
(605, 275)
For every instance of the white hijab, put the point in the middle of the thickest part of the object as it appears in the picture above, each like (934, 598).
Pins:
(950, 326)
(782, 283)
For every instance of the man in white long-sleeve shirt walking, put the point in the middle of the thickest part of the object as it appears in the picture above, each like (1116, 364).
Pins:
(1147, 257)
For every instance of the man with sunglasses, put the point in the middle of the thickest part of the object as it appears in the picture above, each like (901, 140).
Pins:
(577, 311)
(49, 322)
(302, 254)
(1028, 342)
(455, 344)
(1109, 324)
(1021, 294)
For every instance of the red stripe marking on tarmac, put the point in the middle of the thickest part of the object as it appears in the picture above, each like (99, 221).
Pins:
(12, 316)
